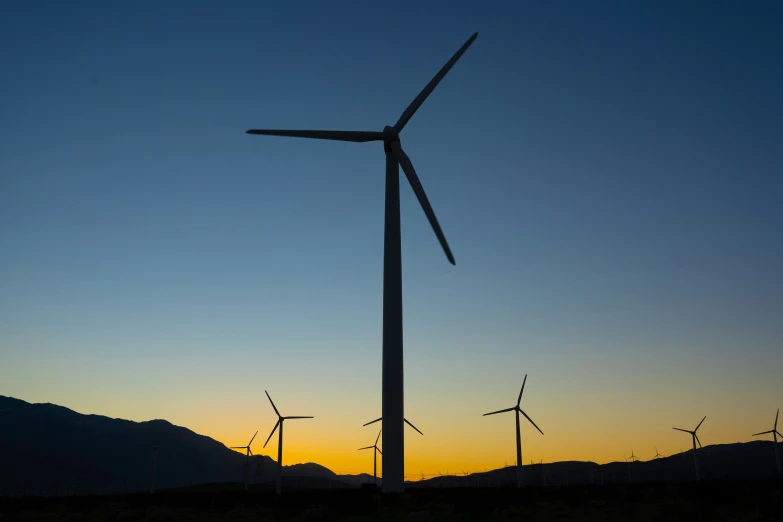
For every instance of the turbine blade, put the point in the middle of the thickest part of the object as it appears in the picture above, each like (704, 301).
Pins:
(680, 429)
(531, 421)
(238, 447)
(779, 435)
(416, 103)
(368, 447)
(412, 426)
(373, 422)
(355, 136)
(500, 411)
(378, 438)
(697, 440)
(299, 417)
(250, 452)
(413, 179)
(379, 450)
(776, 418)
(273, 432)
(697, 427)
(273, 404)
(251, 440)
(763, 433)
(519, 399)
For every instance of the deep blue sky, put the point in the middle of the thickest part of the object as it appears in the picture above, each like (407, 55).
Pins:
(608, 175)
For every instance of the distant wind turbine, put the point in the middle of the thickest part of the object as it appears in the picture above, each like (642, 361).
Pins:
(516, 409)
(280, 420)
(375, 452)
(774, 431)
(657, 455)
(631, 460)
(247, 457)
(695, 439)
(404, 419)
(392, 367)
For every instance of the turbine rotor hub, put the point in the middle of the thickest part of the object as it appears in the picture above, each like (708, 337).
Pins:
(390, 135)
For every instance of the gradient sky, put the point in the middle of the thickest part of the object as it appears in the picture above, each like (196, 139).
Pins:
(609, 177)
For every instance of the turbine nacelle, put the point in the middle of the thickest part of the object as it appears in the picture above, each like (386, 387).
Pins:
(390, 134)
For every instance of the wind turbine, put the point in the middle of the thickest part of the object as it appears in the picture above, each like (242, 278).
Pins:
(518, 410)
(154, 468)
(657, 455)
(392, 366)
(695, 439)
(774, 431)
(280, 420)
(631, 459)
(247, 457)
(375, 452)
(404, 419)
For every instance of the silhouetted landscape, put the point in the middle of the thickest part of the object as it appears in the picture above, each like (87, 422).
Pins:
(93, 454)
(47, 449)
(204, 201)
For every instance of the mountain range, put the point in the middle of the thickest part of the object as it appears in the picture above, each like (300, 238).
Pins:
(50, 449)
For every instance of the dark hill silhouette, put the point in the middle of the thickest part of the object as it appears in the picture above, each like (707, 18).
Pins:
(738, 461)
(45, 448)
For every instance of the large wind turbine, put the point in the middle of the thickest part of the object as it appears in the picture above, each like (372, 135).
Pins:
(375, 452)
(774, 431)
(518, 410)
(247, 457)
(695, 439)
(279, 422)
(392, 359)
(155, 449)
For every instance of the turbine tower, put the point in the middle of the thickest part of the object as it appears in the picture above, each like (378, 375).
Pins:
(247, 457)
(775, 433)
(375, 452)
(392, 358)
(518, 410)
(155, 449)
(279, 423)
(695, 439)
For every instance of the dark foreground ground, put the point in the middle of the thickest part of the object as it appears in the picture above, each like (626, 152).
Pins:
(743, 501)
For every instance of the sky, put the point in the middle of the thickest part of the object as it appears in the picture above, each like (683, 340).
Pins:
(608, 176)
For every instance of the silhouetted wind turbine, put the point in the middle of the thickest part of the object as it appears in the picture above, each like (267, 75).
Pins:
(695, 439)
(518, 410)
(392, 366)
(280, 420)
(630, 459)
(247, 457)
(404, 419)
(375, 452)
(657, 455)
(774, 431)
(154, 467)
